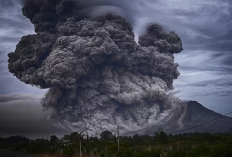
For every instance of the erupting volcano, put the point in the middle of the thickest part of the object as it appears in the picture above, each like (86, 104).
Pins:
(98, 76)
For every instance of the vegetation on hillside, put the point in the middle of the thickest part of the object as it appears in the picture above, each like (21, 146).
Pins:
(161, 144)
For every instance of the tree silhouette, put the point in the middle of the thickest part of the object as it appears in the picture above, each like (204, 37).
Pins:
(161, 137)
(106, 135)
(53, 138)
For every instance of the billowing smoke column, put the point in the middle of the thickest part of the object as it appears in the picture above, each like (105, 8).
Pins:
(98, 76)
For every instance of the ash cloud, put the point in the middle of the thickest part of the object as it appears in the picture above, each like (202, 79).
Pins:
(98, 76)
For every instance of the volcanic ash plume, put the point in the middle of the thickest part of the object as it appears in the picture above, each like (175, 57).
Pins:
(98, 76)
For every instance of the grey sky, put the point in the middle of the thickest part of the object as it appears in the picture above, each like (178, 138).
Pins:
(205, 28)
(23, 115)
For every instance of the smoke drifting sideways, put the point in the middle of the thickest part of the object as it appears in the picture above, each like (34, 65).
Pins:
(98, 76)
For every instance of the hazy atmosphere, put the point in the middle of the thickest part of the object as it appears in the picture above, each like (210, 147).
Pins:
(205, 29)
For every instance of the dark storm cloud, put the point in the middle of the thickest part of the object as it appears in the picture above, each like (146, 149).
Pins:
(23, 115)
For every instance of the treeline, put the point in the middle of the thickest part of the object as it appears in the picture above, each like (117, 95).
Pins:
(108, 145)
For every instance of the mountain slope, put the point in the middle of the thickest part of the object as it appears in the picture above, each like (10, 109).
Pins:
(197, 114)
(189, 115)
